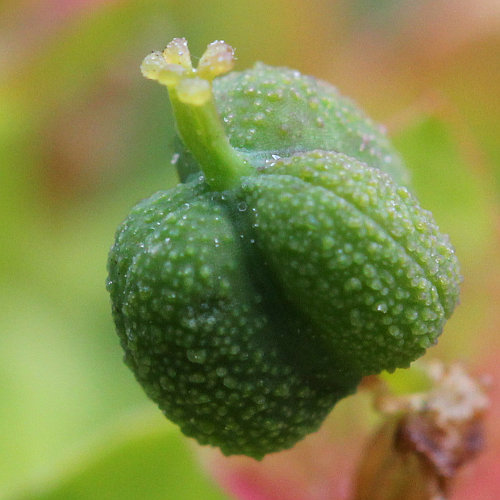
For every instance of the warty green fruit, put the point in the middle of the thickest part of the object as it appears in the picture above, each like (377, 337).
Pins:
(253, 297)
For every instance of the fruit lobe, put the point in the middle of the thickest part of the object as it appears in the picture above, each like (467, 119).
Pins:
(359, 255)
(206, 332)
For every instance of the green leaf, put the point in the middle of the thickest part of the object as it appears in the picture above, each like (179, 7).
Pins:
(143, 457)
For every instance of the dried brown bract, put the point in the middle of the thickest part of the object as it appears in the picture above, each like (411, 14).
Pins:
(427, 436)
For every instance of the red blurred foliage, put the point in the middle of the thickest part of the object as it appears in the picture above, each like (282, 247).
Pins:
(318, 468)
(481, 479)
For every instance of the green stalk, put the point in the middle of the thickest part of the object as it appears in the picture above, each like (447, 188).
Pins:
(202, 132)
(198, 122)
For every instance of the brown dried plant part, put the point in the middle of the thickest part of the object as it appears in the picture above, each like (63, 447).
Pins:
(426, 438)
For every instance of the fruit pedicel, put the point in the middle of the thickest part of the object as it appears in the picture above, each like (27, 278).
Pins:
(290, 262)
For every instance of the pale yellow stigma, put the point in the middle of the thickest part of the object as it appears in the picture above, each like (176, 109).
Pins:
(177, 52)
(173, 68)
(217, 60)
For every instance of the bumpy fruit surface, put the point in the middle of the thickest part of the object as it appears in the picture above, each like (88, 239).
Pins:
(253, 104)
(253, 297)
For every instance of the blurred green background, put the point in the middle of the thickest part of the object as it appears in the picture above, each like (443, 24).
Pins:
(83, 137)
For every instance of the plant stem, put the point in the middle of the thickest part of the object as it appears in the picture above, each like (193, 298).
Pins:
(201, 130)
(198, 122)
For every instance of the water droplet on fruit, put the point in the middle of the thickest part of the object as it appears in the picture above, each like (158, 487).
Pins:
(197, 356)
(230, 382)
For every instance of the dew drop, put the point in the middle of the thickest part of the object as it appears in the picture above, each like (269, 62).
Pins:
(197, 356)
(230, 382)
(369, 271)
(328, 242)
(205, 271)
(352, 284)
(411, 314)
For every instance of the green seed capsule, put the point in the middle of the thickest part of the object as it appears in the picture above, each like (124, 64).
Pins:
(251, 299)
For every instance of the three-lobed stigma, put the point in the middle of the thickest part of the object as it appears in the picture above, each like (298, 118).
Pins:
(173, 68)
